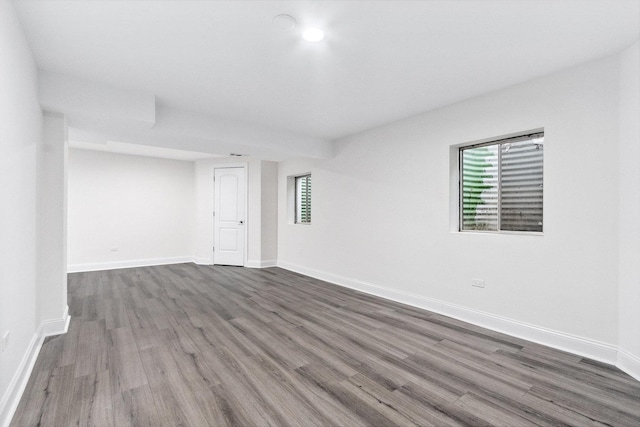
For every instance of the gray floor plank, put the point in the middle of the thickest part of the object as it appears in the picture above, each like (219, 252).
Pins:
(93, 405)
(224, 346)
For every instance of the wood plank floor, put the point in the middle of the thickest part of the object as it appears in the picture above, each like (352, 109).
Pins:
(187, 345)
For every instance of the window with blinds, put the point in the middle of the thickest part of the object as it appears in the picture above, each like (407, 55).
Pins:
(303, 199)
(501, 185)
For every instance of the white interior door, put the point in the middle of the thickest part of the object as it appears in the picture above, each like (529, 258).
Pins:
(230, 216)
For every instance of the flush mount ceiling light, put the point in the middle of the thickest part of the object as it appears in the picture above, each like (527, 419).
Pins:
(313, 34)
(284, 22)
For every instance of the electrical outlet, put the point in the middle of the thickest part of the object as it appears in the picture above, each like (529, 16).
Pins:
(477, 283)
(114, 249)
(4, 342)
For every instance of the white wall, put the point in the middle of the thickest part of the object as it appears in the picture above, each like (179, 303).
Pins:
(629, 211)
(254, 214)
(52, 225)
(157, 211)
(269, 213)
(381, 214)
(20, 141)
(203, 238)
(128, 210)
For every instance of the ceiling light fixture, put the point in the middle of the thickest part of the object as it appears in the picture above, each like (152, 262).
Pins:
(284, 22)
(313, 34)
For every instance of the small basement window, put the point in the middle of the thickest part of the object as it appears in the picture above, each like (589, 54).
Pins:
(501, 185)
(303, 199)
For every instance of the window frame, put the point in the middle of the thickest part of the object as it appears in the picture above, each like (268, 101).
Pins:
(496, 142)
(297, 197)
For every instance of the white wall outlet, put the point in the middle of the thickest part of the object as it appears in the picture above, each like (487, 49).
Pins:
(477, 283)
(114, 249)
(4, 341)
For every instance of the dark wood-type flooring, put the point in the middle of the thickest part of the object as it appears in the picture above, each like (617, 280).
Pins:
(187, 345)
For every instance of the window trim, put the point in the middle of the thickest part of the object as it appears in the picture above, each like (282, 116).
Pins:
(460, 193)
(295, 200)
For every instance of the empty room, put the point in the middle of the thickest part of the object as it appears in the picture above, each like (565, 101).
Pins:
(320, 213)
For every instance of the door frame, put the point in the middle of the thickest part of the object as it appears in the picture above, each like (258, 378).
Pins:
(245, 169)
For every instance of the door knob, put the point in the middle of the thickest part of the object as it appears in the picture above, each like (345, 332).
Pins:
(240, 222)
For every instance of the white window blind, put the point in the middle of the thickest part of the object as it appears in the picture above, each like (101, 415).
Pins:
(303, 199)
(501, 185)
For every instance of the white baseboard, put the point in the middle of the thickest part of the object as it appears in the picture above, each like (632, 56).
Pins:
(99, 266)
(261, 264)
(567, 342)
(77, 268)
(59, 326)
(18, 383)
(12, 395)
(629, 363)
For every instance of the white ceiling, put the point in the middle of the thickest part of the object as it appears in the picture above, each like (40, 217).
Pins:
(381, 60)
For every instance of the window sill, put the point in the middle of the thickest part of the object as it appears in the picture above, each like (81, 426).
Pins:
(505, 233)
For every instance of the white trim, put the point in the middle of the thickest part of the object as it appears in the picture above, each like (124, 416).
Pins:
(202, 261)
(98, 266)
(12, 395)
(581, 346)
(262, 264)
(59, 326)
(18, 383)
(629, 363)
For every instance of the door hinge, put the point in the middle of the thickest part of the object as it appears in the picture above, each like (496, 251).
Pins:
(214, 214)
(214, 249)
